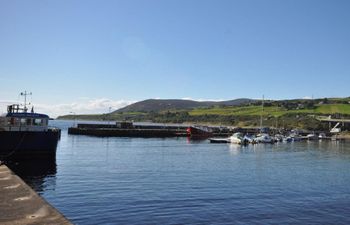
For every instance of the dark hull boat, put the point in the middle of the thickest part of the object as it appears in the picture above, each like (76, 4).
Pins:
(26, 135)
(28, 144)
(196, 132)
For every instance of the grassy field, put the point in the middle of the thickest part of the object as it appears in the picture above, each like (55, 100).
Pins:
(270, 111)
(334, 108)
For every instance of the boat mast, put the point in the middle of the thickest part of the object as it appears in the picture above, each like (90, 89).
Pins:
(261, 115)
(25, 93)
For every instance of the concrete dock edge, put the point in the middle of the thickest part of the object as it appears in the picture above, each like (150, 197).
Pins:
(20, 204)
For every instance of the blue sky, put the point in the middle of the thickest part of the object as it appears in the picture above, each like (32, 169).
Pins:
(78, 53)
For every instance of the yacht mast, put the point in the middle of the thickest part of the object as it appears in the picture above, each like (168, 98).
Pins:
(261, 115)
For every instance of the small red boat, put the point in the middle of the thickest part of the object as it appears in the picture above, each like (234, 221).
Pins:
(199, 132)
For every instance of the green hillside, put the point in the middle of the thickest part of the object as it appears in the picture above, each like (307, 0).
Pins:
(157, 105)
(285, 113)
(334, 108)
(276, 111)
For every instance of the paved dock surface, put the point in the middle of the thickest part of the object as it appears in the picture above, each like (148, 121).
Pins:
(19, 204)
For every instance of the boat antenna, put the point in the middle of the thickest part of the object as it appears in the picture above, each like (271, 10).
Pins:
(25, 94)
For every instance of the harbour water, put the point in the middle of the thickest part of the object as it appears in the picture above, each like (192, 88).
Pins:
(176, 181)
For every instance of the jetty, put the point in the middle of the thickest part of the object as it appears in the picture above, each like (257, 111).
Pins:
(19, 204)
(128, 129)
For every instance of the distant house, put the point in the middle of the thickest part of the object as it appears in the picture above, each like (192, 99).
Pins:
(300, 106)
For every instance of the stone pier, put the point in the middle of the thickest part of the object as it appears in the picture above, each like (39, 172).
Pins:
(19, 204)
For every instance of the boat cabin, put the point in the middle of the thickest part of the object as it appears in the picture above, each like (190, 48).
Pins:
(18, 119)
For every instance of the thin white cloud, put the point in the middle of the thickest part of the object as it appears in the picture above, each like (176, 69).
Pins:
(306, 97)
(83, 106)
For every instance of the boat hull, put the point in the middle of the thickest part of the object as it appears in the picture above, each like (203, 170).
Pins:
(30, 144)
(198, 133)
(219, 140)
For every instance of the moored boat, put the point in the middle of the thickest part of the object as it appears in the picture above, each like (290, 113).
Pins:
(199, 132)
(288, 139)
(311, 137)
(238, 138)
(250, 138)
(264, 138)
(26, 134)
(278, 138)
(322, 136)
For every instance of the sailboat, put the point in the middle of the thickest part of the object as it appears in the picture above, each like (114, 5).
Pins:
(263, 136)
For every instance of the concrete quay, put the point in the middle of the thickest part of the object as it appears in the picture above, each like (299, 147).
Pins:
(19, 204)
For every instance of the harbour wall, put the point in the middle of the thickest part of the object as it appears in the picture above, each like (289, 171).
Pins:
(146, 131)
(114, 132)
(164, 130)
(19, 204)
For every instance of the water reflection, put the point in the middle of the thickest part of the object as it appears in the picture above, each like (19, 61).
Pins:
(39, 174)
(235, 149)
(197, 140)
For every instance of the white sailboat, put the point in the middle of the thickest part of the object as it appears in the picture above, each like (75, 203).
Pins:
(263, 137)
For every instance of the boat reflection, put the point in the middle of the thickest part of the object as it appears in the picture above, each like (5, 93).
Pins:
(191, 140)
(235, 149)
(39, 174)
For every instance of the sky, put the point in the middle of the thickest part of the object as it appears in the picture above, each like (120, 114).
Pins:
(90, 56)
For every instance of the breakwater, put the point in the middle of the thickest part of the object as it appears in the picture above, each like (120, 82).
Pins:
(130, 130)
(115, 132)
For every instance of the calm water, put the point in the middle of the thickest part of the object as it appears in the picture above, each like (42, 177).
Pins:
(176, 181)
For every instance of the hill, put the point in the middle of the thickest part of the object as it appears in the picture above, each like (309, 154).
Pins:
(157, 105)
(295, 113)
